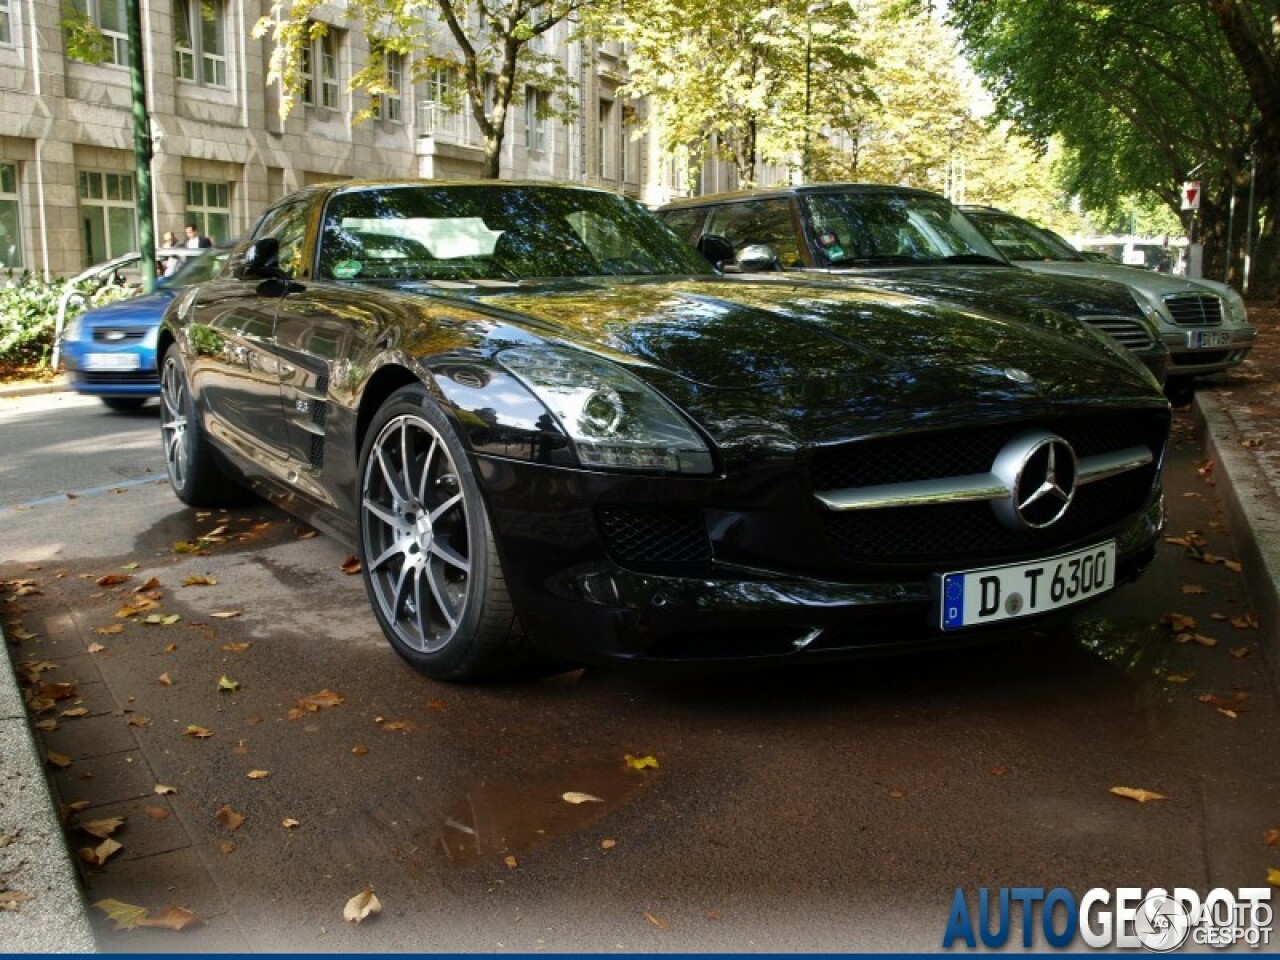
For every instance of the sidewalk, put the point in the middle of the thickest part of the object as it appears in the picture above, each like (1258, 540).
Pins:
(1238, 422)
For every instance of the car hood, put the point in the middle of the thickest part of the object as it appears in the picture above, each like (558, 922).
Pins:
(824, 358)
(999, 288)
(1149, 281)
(144, 309)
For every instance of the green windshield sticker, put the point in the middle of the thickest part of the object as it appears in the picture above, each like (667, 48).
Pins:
(835, 252)
(346, 269)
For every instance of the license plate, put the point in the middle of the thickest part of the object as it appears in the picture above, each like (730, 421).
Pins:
(111, 361)
(1200, 339)
(972, 597)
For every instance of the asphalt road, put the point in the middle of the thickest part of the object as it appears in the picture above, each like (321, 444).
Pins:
(803, 810)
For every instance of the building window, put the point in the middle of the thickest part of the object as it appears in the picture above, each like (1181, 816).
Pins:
(535, 120)
(604, 139)
(6, 24)
(320, 70)
(109, 17)
(107, 215)
(391, 103)
(10, 222)
(200, 25)
(209, 208)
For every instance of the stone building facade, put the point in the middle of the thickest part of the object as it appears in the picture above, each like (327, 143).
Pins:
(221, 151)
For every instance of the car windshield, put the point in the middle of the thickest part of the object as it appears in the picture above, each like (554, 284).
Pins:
(1022, 240)
(869, 228)
(198, 269)
(468, 233)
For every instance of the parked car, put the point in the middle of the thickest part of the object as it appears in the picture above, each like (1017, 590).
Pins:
(902, 239)
(110, 351)
(553, 430)
(1204, 323)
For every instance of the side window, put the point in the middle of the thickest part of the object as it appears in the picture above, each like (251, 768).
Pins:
(758, 221)
(684, 223)
(288, 224)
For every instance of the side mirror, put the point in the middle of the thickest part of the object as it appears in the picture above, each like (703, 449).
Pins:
(716, 249)
(756, 257)
(261, 261)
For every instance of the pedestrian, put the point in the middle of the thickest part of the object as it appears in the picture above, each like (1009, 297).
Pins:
(168, 240)
(195, 238)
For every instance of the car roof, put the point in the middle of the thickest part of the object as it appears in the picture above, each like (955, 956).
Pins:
(763, 193)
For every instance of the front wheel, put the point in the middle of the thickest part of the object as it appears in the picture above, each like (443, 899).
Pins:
(426, 548)
(194, 475)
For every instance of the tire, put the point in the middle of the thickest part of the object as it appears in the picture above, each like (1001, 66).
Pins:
(194, 475)
(122, 404)
(1179, 391)
(426, 547)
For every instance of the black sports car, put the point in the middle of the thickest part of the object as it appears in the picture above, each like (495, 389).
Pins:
(549, 428)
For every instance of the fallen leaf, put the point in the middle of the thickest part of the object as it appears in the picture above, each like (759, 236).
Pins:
(136, 606)
(1273, 876)
(200, 733)
(57, 759)
(164, 790)
(124, 915)
(106, 631)
(164, 680)
(225, 614)
(151, 583)
(95, 648)
(315, 702)
(1178, 622)
(575, 797)
(1180, 677)
(1204, 641)
(48, 726)
(1193, 590)
(1233, 565)
(236, 647)
(200, 581)
(1239, 652)
(9, 900)
(99, 855)
(170, 648)
(359, 750)
(258, 774)
(57, 691)
(608, 844)
(403, 726)
(113, 579)
(1229, 714)
(656, 920)
(307, 535)
(1272, 837)
(999, 771)
(102, 828)
(511, 862)
(17, 631)
(436, 705)
(641, 763)
(1245, 621)
(138, 720)
(170, 918)
(1142, 796)
(897, 793)
(75, 712)
(186, 546)
(289, 823)
(227, 685)
(156, 813)
(1252, 443)
(363, 904)
(227, 846)
(229, 818)
(162, 619)
(130, 566)
(350, 565)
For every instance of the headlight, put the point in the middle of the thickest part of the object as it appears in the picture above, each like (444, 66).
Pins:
(1235, 306)
(614, 420)
(72, 329)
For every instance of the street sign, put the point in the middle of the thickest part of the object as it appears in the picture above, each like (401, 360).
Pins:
(1191, 195)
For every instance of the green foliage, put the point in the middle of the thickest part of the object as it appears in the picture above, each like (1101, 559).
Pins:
(29, 310)
(80, 35)
(747, 83)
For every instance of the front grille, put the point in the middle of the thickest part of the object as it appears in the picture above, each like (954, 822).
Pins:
(960, 533)
(1195, 310)
(119, 334)
(1130, 331)
(132, 377)
(654, 535)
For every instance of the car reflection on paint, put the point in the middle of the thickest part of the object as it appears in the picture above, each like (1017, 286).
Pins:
(550, 431)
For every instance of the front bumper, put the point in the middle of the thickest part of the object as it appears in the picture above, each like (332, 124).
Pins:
(1190, 356)
(142, 381)
(577, 602)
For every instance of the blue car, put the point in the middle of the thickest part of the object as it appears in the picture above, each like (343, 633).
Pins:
(110, 351)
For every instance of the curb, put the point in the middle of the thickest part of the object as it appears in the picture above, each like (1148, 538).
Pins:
(35, 861)
(34, 389)
(1251, 503)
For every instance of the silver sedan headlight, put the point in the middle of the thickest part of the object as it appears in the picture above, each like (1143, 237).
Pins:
(1236, 311)
(614, 420)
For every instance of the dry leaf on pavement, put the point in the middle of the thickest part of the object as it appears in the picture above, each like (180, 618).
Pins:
(200, 581)
(574, 797)
(156, 813)
(113, 579)
(102, 828)
(315, 702)
(258, 774)
(290, 824)
(229, 818)
(98, 855)
(236, 647)
(350, 565)
(1142, 796)
(225, 614)
(1193, 590)
(107, 631)
(164, 790)
(57, 759)
(227, 685)
(641, 763)
(9, 900)
(656, 920)
(170, 918)
(363, 904)
(124, 915)
(194, 730)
